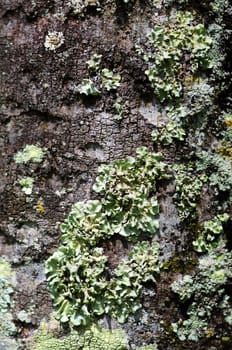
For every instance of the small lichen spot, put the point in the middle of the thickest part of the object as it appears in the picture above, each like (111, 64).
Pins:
(54, 40)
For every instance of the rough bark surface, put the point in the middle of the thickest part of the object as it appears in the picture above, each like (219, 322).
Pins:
(40, 106)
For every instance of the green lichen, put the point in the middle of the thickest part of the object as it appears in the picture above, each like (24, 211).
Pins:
(92, 339)
(27, 185)
(30, 153)
(118, 109)
(188, 190)
(110, 80)
(128, 206)
(218, 170)
(171, 43)
(124, 289)
(81, 290)
(198, 106)
(77, 273)
(94, 62)
(87, 87)
(170, 133)
(211, 234)
(77, 282)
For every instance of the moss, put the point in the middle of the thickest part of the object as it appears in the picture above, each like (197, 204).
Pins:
(180, 264)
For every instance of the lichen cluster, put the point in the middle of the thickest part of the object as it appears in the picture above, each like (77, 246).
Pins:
(7, 327)
(94, 338)
(179, 51)
(184, 65)
(79, 6)
(107, 79)
(207, 293)
(91, 339)
(76, 273)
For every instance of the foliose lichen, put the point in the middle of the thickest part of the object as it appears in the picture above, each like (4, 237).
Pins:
(27, 185)
(170, 44)
(76, 273)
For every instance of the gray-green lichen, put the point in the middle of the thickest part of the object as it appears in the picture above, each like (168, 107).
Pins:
(206, 289)
(7, 327)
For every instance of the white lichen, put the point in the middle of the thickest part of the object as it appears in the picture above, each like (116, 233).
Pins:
(53, 40)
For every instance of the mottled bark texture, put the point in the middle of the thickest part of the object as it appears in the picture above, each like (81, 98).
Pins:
(40, 105)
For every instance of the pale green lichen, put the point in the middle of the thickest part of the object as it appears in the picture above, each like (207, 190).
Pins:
(118, 109)
(110, 80)
(94, 62)
(87, 87)
(170, 133)
(211, 234)
(123, 293)
(77, 273)
(30, 153)
(188, 190)
(92, 339)
(169, 43)
(27, 185)
(218, 169)
(81, 290)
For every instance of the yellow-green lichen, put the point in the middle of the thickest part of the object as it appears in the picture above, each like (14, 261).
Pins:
(30, 153)
(92, 339)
